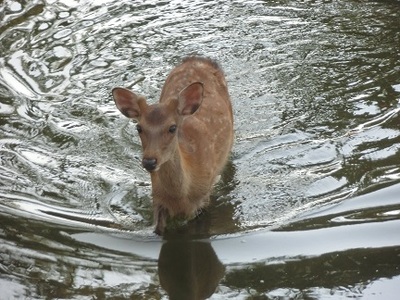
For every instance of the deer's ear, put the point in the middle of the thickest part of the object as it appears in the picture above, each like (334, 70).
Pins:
(128, 103)
(190, 98)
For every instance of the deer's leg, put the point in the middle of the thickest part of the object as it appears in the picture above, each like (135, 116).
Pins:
(160, 216)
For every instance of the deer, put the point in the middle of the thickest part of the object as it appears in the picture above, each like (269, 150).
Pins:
(186, 137)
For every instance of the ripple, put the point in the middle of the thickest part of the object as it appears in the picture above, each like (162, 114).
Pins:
(316, 93)
(61, 34)
(16, 84)
(6, 109)
(285, 147)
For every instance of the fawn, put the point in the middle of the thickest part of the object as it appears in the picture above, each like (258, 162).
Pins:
(186, 137)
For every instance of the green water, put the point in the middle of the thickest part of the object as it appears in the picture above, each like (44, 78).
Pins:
(309, 205)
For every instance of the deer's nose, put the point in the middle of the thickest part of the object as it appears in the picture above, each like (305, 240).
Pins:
(149, 164)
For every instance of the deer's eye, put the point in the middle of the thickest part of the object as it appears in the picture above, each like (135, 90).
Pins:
(139, 128)
(172, 129)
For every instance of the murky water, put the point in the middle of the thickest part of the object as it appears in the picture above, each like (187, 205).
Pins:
(309, 204)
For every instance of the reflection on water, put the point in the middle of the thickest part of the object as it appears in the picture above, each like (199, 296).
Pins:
(335, 272)
(189, 270)
(316, 92)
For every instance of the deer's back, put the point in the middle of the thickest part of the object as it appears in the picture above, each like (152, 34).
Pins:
(206, 136)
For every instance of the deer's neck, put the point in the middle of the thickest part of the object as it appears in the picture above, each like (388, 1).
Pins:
(170, 179)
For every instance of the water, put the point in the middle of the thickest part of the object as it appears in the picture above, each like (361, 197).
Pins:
(308, 206)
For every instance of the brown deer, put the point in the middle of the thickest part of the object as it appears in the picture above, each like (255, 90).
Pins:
(186, 137)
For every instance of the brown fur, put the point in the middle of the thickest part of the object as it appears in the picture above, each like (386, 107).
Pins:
(195, 99)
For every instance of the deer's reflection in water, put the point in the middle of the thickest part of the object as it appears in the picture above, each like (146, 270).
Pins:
(189, 269)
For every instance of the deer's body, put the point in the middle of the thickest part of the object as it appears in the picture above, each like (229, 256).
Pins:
(186, 137)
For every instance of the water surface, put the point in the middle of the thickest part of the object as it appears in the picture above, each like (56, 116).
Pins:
(308, 205)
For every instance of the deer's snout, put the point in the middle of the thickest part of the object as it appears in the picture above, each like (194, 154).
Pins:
(149, 164)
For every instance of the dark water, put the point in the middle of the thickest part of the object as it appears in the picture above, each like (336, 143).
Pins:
(309, 205)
